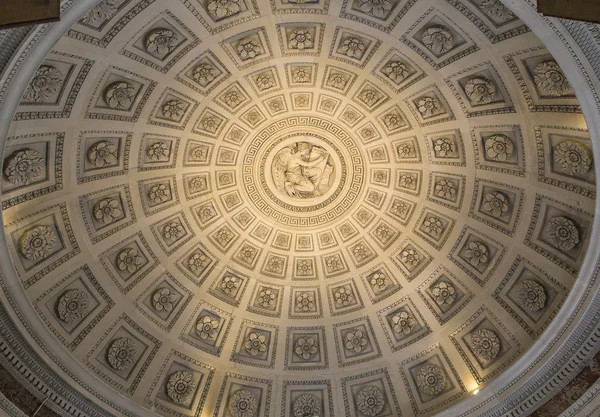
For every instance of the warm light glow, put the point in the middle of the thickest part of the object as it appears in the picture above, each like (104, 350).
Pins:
(476, 392)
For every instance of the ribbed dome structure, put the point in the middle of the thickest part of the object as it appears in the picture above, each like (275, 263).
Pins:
(244, 208)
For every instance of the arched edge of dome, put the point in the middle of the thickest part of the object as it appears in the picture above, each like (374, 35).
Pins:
(544, 381)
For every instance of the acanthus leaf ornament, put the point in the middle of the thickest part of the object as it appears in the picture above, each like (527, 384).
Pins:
(243, 403)
(180, 386)
(72, 305)
(24, 167)
(562, 233)
(551, 80)
(573, 158)
(121, 353)
(531, 295)
(431, 379)
(45, 83)
(485, 344)
(37, 242)
(370, 401)
(307, 405)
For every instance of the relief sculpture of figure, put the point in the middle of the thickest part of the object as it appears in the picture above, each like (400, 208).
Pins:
(302, 170)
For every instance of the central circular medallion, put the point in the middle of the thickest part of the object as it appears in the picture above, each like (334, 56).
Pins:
(303, 170)
(301, 165)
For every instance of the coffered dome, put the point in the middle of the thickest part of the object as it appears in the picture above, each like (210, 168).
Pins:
(298, 208)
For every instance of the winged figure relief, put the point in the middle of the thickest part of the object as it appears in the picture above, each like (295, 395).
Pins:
(302, 170)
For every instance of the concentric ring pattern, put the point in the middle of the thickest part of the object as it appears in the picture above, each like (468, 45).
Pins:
(296, 208)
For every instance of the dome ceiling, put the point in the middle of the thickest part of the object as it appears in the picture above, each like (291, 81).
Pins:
(294, 208)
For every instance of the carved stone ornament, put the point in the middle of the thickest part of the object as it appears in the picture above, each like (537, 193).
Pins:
(107, 210)
(379, 281)
(173, 109)
(476, 253)
(375, 8)
(355, 341)
(159, 193)
(485, 344)
(551, 80)
(495, 204)
(410, 258)
(306, 347)
(37, 242)
(255, 344)
(445, 189)
(173, 231)
(204, 74)
(230, 284)
(180, 386)
(164, 299)
(428, 107)
(160, 42)
(300, 39)
(121, 353)
(102, 154)
(403, 323)
(370, 401)
(267, 298)
(158, 151)
(102, 12)
(431, 379)
(207, 327)
(24, 167)
(119, 95)
(444, 293)
(433, 226)
(353, 48)
(130, 260)
(438, 39)
(248, 48)
(396, 71)
(573, 158)
(480, 90)
(531, 295)
(307, 405)
(344, 296)
(497, 10)
(45, 83)
(220, 9)
(243, 403)
(198, 261)
(562, 233)
(499, 147)
(72, 306)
